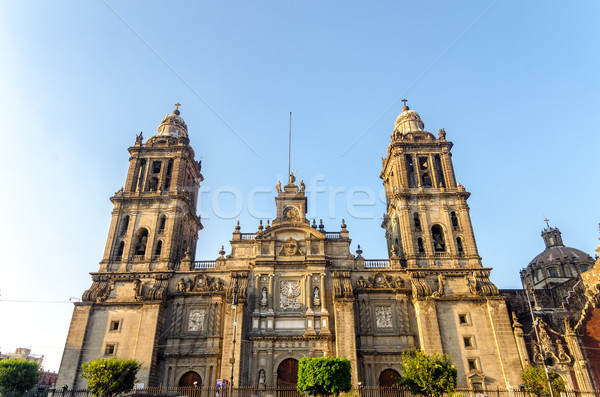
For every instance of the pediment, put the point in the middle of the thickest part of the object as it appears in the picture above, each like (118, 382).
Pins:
(296, 232)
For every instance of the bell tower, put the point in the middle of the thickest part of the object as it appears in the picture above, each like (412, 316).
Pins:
(154, 222)
(427, 221)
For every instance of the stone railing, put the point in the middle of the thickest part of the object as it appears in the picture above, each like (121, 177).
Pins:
(376, 263)
(199, 265)
(332, 234)
(248, 236)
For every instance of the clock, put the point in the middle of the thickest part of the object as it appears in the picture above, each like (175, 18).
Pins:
(290, 214)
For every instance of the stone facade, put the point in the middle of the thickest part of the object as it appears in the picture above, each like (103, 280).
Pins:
(291, 289)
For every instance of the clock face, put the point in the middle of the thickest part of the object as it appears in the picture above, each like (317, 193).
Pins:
(290, 214)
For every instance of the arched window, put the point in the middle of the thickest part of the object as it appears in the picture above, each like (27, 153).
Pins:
(439, 242)
(158, 249)
(426, 180)
(120, 251)
(420, 246)
(161, 223)
(141, 239)
(459, 245)
(417, 221)
(454, 220)
(124, 225)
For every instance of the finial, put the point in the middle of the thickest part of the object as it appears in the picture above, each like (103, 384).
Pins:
(268, 224)
(260, 226)
(405, 107)
(321, 226)
(547, 220)
(222, 251)
(237, 226)
(314, 225)
(343, 224)
(176, 111)
(359, 251)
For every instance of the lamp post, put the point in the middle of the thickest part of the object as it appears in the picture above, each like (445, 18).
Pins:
(234, 303)
(537, 335)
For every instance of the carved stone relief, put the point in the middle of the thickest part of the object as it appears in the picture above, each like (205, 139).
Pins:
(383, 316)
(196, 320)
(289, 298)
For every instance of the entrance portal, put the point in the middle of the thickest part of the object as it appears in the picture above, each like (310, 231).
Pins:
(287, 378)
(388, 378)
(188, 379)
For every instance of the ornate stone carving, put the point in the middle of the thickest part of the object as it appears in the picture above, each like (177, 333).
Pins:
(441, 281)
(420, 286)
(289, 298)
(289, 247)
(342, 286)
(196, 320)
(383, 316)
(263, 297)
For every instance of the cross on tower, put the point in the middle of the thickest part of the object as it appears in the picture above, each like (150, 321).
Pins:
(547, 220)
(404, 100)
(177, 106)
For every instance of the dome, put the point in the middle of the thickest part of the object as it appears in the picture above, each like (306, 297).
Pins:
(173, 125)
(409, 121)
(557, 263)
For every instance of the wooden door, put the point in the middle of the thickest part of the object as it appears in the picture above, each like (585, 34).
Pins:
(287, 378)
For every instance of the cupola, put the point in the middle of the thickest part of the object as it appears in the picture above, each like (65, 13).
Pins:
(173, 125)
(408, 121)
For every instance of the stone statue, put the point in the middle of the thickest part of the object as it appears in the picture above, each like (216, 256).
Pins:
(442, 134)
(278, 187)
(139, 138)
(302, 186)
(261, 377)
(263, 297)
(292, 179)
(316, 297)
(181, 286)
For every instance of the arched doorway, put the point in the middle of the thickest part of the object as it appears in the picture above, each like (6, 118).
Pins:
(388, 378)
(188, 379)
(287, 378)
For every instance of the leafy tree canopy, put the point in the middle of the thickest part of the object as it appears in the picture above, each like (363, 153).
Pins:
(535, 382)
(324, 376)
(18, 375)
(108, 377)
(428, 375)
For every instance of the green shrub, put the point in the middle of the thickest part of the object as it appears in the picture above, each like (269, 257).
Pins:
(428, 375)
(108, 377)
(324, 376)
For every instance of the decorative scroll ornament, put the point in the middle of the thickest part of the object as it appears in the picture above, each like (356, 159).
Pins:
(420, 286)
(480, 284)
(342, 286)
(441, 281)
(289, 298)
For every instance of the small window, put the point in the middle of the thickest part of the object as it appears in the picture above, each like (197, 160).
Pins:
(423, 164)
(553, 272)
(477, 385)
(119, 255)
(158, 248)
(110, 349)
(468, 341)
(417, 221)
(463, 319)
(472, 362)
(124, 225)
(584, 268)
(162, 223)
(156, 167)
(154, 184)
(459, 245)
(439, 243)
(426, 180)
(454, 220)
(420, 245)
(114, 325)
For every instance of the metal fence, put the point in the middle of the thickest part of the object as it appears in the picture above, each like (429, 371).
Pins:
(367, 391)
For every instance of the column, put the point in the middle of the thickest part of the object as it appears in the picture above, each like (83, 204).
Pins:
(270, 300)
(257, 292)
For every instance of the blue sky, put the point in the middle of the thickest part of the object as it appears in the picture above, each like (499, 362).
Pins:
(515, 85)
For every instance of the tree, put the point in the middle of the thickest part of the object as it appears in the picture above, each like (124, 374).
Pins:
(324, 376)
(428, 375)
(108, 377)
(535, 382)
(18, 375)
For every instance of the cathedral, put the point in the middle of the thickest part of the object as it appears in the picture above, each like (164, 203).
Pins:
(292, 289)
